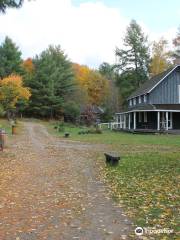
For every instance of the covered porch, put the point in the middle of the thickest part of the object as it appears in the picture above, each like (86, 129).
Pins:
(148, 120)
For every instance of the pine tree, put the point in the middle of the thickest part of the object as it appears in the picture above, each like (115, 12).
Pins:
(51, 82)
(112, 101)
(4, 4)
(10, 59)
(133, 60)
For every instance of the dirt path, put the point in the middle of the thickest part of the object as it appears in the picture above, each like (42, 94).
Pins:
(51, 191)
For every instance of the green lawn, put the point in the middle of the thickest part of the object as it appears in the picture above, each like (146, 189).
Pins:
(146, 180)
(118, 139)
(4, 124)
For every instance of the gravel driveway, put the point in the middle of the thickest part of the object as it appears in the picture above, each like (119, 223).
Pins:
(50, 189)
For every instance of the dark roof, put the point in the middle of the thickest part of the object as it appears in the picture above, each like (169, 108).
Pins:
(167, 106)
(93, 108)
(149, 84)
(143, 107)
(154, 107)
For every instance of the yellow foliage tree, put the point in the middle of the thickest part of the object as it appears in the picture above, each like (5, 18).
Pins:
(28, 65)
(12, 90)
(160, 57)
(93, 83)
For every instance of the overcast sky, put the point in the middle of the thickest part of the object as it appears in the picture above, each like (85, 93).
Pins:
(88, 31)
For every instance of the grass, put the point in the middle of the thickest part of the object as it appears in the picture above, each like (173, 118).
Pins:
(147, 186)
(146, 180)
(118, 139)
(4, 124)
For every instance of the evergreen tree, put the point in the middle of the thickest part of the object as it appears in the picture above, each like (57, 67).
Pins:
(133, 60)
(107, 70)
(4, 4)
(111, 104)
(10, 59)
(51, 82)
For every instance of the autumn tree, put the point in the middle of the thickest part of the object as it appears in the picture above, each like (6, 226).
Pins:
(93, 84)
(10, 59)
(28, 65)
(11, 91)
(160, 57)
(176, 43)
(132, 60)
(28, 70)
(52, 82)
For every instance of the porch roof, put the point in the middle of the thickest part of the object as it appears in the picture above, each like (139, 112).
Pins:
(154, 108)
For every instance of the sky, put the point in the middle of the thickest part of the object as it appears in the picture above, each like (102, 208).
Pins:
(87, 30)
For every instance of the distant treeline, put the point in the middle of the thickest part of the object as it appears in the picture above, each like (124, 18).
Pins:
(51, 86)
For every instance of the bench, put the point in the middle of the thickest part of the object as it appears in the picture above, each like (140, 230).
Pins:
(66, 135)
(112, 158)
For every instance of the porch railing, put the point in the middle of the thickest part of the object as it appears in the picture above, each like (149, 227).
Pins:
(112, 125)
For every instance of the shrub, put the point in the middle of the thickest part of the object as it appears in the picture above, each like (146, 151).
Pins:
(71, 111)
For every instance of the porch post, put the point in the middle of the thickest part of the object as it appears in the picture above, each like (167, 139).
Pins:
(167, 121)
(120, 121)
(158, 121)
(134, 120)
(129, 121)
(171, 120)
(124, 121)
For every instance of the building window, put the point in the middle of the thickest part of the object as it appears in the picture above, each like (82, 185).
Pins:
(139, 99)
(145, 117)
(130, 102)
(179, 92)
(145, 98)
(140, 117)
(134, 101)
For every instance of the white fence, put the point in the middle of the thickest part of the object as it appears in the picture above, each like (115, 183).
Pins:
(111, 125)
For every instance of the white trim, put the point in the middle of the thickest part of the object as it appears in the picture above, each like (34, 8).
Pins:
(129, 123)
(163, 78)
(158, 120)
(155, 110)
(167, 118)
(171, 120)
(124, 121)
(145, 98)
(134, 101)
(155, 84)
(134, 120)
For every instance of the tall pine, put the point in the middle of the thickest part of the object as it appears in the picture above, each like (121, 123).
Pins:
(132, 60)
(51, 82)
(10, 59)
(4, 4)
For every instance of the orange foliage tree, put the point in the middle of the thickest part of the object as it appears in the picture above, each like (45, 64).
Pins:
(28, 65)
(12, 90)
(93, 83)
